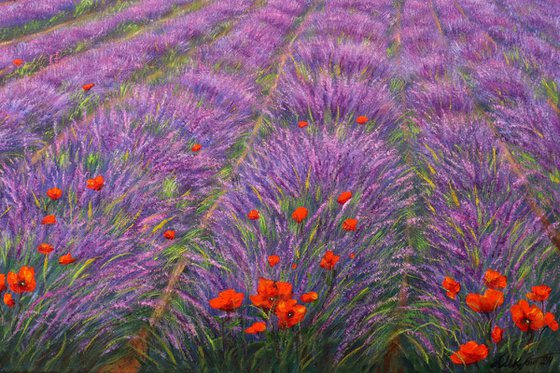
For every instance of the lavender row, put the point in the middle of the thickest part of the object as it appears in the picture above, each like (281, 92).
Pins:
(479, 218)
(520, 116)
(251, 45)
(51, 47)
(422, 61)
(525, 50)
(22, 13)
(291, 166)
(529, 122)
(536, 17)
(340, 70)
(258, 38)
(208, 116)
(44, 102)
(295, 169)
(478, 221)
(118, 230)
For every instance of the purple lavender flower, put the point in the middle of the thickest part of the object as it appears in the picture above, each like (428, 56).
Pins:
(53, 46)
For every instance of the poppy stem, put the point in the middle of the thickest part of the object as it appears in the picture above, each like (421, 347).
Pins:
(45, 265)
(277, 346)
(223, 339)
(299, 344)
(18, 303)
(487, 334)
(540, 334)
(531, 336)
(478, 367)
(329, 280)
(460, 308)
(243, 332)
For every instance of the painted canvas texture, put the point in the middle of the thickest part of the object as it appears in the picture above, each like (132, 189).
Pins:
(279, 186)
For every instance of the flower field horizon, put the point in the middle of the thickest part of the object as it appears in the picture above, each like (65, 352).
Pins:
(279, 186)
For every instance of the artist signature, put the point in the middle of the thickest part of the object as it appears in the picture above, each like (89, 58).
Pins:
(529, 363)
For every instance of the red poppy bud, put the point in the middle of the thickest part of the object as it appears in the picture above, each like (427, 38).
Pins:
(45, 248)
(273, 260)
(66, 259)
(309, 297)
(349, 224)
(96, 183)
(257, 327)
(362, 119)
(299, 214)
(54, 193)
(497, 334)
(9, 300)
(169, 234)
(253, 215)
(344, 197)
(49, 220)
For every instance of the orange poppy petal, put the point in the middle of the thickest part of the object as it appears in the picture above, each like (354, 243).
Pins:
(9, 300)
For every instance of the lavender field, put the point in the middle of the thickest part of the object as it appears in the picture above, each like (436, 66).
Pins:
(279, 186)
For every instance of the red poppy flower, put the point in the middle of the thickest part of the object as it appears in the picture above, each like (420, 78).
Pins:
(299, 214)
(452, 287)
(349, 224)
(486, 303)
(494, 279)
(273, 260)
(228, 300)
(289, 313)
(497, 334)
(17, 62)
(469, 353)
(309, 297)
(87, 87)
(362, 119)
(302, 124)
(196, 148)
(551, 321)
(66, 259)
(45, 248)
(539, 293)
(96, 183)
(49, 220)
(344, 197)
(2, 282)
(527, 317)
(169, 234)
(9, 300)
(257, 327)
(23, 281)
(329, 260)
(54, 193)
(294, 266)
(253, 215)
(270, 292)
(352, 255)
